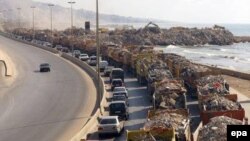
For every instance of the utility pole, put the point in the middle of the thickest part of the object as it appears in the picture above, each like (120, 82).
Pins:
(33, 10)
(19, 18)
(98, 55)
(51, 24)
(71, 30)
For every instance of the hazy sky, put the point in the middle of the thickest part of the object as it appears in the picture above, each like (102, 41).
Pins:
(193, 11)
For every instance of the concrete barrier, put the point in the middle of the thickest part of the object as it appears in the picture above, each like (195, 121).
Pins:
(93, 120)
(92, 73)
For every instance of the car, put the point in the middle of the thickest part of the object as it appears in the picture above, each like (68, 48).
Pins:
(76, 53)
(116, 83)
(116, 73)
(120, 109)
(65, 49)
(58, 47)
(120, 98)
(84, 57)
(121, 89)
(45, 67)
(108, 70)
(110, 125)
(103, 65)
(92, 61)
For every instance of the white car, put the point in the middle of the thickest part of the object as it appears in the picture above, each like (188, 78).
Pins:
(110, 125)
(103, 65)
(84, 57)
(121, 89)
(92, 61)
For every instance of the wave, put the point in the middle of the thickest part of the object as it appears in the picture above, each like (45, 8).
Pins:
(172, 47)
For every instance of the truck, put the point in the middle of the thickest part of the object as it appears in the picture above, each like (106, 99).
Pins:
(220, 106)
(178, 120)
(169, 94)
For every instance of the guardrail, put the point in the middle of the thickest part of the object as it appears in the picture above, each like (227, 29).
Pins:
(90, 71)
(5, 66)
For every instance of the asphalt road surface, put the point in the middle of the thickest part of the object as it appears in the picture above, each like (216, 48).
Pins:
(38, 106)
(139, 104)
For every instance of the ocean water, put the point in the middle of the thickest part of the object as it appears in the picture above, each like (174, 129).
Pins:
(234, 57)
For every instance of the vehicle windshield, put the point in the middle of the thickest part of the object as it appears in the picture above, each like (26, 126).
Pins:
(117, 106)
(108, 121)
(117, 82)
(119, 98)
(117, 72)
(120, 89)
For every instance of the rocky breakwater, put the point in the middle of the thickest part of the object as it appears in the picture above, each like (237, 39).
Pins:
(154, 35)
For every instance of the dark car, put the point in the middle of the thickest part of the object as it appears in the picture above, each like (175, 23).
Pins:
(45, 67)
(120, 109)
(116, 83)
(117, 73)
(65, 49)
(108, 70)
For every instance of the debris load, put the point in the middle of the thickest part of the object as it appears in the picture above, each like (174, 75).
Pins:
(212, 84)
(169, 94)
(216, 129)
(218, 103)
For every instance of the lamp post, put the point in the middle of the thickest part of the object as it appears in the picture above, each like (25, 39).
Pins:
(71, 30)
(19, 17)
(33, 21)
(51, 24)
(98, 55)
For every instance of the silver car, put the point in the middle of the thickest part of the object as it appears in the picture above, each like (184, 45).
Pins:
(110, 125)
(121, 89)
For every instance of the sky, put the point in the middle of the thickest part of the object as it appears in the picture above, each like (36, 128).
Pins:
(188, 11)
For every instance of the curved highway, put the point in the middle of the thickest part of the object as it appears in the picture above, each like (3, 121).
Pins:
(38, 106)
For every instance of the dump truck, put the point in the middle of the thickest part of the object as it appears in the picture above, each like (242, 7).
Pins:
(220, 106)
(178, 119)
(216, 129)
(169, 94)
(153, 135)
(157, 72)
(191, 76)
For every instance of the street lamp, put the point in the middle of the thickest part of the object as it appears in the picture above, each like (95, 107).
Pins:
(51, 26)
(71, 30)
(98, 55)
(33, 10)
(19, 18)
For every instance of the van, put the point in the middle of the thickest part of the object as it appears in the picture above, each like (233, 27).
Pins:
(116, 73)
(103, 65)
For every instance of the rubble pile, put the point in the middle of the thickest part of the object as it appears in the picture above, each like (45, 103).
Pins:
(167, 86)
(218, 103)
(169, 94)
(217, 129)
(212, 85)
(165, 120)
(193, 71)
(145, 136)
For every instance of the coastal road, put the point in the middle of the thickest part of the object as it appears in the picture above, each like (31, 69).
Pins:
(38, 106)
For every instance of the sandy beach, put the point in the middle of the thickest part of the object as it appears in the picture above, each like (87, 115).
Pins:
(240, 85)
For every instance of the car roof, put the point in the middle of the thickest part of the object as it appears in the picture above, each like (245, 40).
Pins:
(44, 64)
(117, 69)
(108, 117)
(117, 102)
(120, 87)
(116, 79)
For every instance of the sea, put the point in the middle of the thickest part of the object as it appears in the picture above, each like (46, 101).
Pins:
(234, 57)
